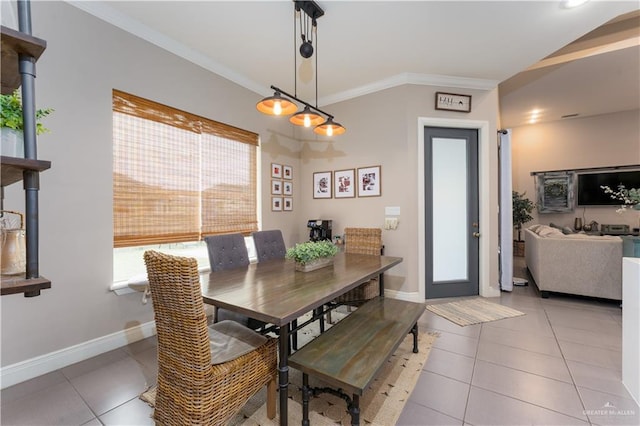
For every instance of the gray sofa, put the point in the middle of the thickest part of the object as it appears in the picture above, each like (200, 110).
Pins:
(578, 264)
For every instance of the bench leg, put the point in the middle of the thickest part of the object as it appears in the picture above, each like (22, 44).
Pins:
(414, 331)
(305, 399)
(354, 410)
(318, 313)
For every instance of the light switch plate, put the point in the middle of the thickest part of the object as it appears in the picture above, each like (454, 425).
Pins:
(392, 211)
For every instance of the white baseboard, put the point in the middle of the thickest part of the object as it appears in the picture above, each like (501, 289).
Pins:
(34, 367)
(403, 295)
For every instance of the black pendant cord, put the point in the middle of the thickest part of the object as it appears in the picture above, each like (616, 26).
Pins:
(295, 55)
(316, 70)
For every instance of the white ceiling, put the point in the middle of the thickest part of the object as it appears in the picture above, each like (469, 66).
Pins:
(366, 46)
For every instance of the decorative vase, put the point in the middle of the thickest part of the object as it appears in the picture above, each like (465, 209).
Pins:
(12, 142)
(321, 262)
(577, 224)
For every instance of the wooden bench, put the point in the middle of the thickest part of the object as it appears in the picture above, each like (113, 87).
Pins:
(351, 353)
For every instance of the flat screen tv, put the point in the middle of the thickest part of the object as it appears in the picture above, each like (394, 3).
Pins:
(590, 192)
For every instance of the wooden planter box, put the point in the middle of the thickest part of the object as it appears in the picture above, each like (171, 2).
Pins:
(518, 248)
(314, 264)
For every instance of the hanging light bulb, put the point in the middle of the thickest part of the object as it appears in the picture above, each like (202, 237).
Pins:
(329, 128)
(276, 105)
(306, 118)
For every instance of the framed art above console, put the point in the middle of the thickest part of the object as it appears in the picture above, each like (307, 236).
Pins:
(555, 192)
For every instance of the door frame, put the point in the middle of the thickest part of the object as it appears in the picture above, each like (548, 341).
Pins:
(484, 187)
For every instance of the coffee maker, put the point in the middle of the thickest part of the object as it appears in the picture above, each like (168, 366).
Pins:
(319, 229)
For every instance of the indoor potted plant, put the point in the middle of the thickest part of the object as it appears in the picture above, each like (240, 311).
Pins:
(12, 125)
(522, 206)
(312, 255)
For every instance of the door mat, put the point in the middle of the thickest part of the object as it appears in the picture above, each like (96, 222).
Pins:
(473, 311)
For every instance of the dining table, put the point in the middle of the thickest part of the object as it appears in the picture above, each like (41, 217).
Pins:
(275, 292)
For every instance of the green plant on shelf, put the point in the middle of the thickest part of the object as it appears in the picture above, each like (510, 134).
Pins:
(11, 114)
(304, 253)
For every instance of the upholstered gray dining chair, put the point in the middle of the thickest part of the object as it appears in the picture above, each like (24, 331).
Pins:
(229, 252)
(269, 244)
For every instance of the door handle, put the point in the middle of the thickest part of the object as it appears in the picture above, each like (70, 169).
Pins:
(476, 234)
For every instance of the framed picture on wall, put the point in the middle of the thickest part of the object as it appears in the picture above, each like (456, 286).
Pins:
(322, 185)
(276, 171)
(369, 181)
(555, 192)
(287, 188)
(287, 172)
(276, 204)
(344, 183)
(288, 204)
(276, 187)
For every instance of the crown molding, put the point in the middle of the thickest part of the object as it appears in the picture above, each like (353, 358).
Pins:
(410, 78)
(101, 10)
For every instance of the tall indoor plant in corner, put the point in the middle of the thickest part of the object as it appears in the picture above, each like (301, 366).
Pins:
(12, 124)
(522, 206)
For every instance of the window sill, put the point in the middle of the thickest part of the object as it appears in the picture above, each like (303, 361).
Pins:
(139, 283)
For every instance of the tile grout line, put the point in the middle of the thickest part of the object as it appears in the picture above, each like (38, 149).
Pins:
(473, 370)
(564, 360)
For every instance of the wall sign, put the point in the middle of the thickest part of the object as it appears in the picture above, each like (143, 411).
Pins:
(453, 102)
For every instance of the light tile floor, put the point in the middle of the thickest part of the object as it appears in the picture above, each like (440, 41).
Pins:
(560, 364)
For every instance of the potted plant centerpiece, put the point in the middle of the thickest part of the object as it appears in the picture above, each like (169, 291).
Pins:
(12, 124)
(522, 206)
(312, 255)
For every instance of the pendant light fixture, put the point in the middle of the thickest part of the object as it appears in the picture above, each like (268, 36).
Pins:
(276, 105)
(282, 103)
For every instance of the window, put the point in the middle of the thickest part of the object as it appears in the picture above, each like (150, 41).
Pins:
(177, 177)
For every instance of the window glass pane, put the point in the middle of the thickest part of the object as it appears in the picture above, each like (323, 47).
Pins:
(156, 182)
(449, 209)
(177, 177)
(228, 186)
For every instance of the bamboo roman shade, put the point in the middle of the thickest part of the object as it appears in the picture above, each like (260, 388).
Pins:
(178, 176)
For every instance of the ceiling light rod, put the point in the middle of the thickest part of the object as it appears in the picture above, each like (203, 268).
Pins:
(301, 101)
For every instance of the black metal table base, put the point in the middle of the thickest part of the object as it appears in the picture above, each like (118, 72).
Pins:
(353, 404)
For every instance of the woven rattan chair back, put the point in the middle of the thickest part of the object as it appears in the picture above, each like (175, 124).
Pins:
(362, 241)
(190, 389)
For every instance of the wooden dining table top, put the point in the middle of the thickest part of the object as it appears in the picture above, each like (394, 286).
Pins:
(274, 292)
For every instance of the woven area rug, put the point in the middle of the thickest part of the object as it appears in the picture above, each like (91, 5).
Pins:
(473, 311)
(381, 404)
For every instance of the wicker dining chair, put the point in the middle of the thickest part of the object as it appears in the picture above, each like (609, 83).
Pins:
(194, 387)
(361, 241)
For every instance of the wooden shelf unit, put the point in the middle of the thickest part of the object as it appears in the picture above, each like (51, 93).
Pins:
(17, 46)
(15, 43)
(14, 284)
(13, 168)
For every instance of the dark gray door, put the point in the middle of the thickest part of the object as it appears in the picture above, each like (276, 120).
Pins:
(451, 213)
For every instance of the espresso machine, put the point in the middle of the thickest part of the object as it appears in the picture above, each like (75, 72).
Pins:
(319, 229)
